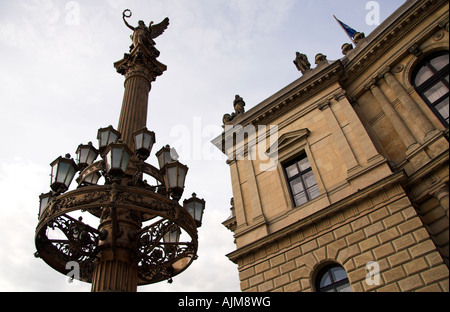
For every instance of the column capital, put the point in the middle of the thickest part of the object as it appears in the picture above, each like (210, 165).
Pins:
(384, 72)
(141, 61)
(322, 106)
(372, 83)
(441, 192)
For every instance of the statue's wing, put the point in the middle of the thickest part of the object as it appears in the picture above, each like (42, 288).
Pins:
(158, 29)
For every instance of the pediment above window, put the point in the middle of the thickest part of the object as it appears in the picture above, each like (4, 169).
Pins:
(287, 139)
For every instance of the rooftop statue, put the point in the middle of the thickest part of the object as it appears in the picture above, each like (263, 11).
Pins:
(142, 34)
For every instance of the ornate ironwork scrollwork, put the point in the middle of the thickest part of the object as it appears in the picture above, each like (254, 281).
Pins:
(80, 245)
(161, 260)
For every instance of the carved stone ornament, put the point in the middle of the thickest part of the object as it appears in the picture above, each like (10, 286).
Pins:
(415, 50)
(346, 47)
(238, 105)
(358, 37)
(320, 58)
(141, 62)
(142, 57)
(302, 63)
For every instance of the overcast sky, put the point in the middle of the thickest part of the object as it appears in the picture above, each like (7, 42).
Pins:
(58, 86)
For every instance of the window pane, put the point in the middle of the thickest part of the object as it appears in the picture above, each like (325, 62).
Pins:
(326, 280)
(436, 92)
(344, 288)
(309, 179)
(304, 164)
(296, 185)
(422, 76)
(442, 108)
(439, 62)
(338, 273)
(291, 170)
(313, 192)
(300, 199)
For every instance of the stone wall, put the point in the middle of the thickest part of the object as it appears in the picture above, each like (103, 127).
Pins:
(383, 228)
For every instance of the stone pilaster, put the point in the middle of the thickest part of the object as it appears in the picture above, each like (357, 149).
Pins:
(339, 137)
(363, 137)
(419, 122)
(390, 112)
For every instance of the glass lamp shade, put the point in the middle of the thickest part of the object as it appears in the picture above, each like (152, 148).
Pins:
(107, 136)
(117, 157)
(166, 155)
(174, 177)
(44, 199)
(144, 140)
(63, 171)
(92, 179)
(172, 236)
(195, 206)
(86, 155)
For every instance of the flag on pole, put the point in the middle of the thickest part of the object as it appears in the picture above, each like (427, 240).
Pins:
(350, 31)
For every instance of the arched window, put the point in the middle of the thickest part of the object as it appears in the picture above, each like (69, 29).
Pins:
(332, 278)
(430, 80)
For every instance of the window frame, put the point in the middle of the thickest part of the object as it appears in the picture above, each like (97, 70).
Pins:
(301, 173)
(334, 284)
(438, 76)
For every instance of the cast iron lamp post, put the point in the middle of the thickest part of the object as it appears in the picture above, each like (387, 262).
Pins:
(123, 252)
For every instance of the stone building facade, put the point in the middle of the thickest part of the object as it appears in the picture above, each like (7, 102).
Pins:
(353, 194)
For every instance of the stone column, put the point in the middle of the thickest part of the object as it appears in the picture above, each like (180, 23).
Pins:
(140, 69)
(420, 123)
(133, 115)
(398, 124)
(442, 195)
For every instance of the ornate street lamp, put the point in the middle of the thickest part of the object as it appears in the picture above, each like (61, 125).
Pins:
(107, 136)
(166, 155)
(92, 179)
(117, 157)
(44, 199)
(86, 155)
(143, 141)
(121, 246)
(63, 171)
(195, 206)
(174, 177)
(172, 236)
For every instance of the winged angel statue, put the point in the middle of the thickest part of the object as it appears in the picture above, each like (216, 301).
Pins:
(143, 34)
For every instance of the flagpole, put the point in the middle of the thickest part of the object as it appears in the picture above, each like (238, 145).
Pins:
(343, 29)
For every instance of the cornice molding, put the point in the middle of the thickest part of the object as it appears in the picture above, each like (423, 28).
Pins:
(396, 27)
(398, 177)
(292, 95)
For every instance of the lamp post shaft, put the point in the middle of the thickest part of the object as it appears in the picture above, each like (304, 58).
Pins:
(140, 69)
(133, 115)
(116, 269)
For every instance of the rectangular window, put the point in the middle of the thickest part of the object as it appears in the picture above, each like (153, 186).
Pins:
(301, 180)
